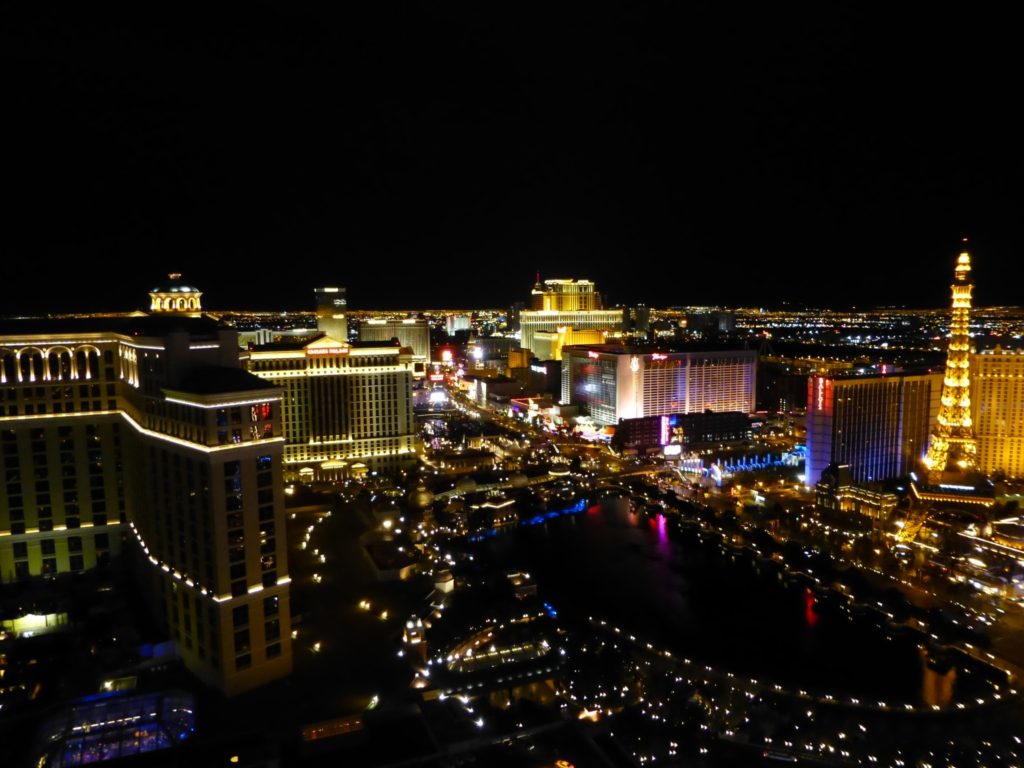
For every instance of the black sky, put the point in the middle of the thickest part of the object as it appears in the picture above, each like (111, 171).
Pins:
(439, 153)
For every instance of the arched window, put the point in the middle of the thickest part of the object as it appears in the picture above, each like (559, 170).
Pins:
(82, 364)
(31, 365)
(94, 363)
(8, 369)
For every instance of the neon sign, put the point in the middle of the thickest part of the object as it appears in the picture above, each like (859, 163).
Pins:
(319, 351)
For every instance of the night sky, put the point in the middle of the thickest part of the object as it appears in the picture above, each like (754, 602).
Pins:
(438, 154)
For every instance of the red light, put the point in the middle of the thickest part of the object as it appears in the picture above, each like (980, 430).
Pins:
(810, 615)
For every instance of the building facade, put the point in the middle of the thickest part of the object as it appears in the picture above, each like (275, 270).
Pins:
(877, 425)
(455, 323)
(613, 382)
(344, 404)
(560, 303)
(997, 376)
(565, 296)
(148, 428)
(530, 322)
(547, 345)
(687, 429)
(411, 332)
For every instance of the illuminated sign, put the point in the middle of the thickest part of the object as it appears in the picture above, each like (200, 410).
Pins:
(320, 351)
(659, 356)
(593, 354)
(539, 369)
(673, 449)
(446, 355)
(820, 393)
(663, 431)
(437, 377)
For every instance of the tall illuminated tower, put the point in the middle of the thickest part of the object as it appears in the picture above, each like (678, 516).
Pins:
(952, 445)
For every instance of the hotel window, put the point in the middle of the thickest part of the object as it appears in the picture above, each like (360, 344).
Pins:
(271, 606)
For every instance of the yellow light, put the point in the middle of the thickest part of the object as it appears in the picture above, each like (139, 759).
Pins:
(234, 759)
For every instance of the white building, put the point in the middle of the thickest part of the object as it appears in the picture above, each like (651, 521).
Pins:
(613, 382)
(410, 332)
(455, 323)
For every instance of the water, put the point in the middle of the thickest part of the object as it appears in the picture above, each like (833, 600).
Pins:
(689, 597)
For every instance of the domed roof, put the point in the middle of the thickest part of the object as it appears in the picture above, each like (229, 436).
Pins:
(174, 284)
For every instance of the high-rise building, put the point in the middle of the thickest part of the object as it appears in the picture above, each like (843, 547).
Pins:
(148, 427)
(952, 446)
(878, 425)
(614, 382)
(455, 323)
(997, 407)
(411, 332)
(636, 319)
(344, 405)
(688, 429)
(565, 296)
(331, 308)
(561, 303)
(547, 345)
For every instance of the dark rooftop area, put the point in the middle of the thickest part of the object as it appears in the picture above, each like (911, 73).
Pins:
(213, 380)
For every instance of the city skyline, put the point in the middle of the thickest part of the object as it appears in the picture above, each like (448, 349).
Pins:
(543, 387)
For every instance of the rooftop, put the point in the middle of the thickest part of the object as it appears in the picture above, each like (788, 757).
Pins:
(215, 380)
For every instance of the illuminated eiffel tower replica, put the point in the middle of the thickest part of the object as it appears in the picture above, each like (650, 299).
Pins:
(952, 446)
(951, 463)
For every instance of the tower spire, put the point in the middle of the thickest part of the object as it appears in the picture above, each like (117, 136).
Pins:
(952, 445)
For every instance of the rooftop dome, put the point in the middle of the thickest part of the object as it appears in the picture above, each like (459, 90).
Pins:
(174, 296)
